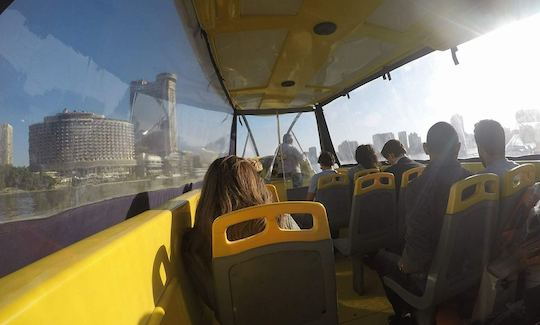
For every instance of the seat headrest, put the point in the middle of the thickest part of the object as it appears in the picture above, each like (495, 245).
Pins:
(472, 190)
(272, 233)
(517, 179)
(332, 180)
(375, 181)
(364, 172)
(409, 174)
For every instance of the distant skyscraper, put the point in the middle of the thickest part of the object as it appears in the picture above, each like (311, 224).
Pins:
(415, 143)
(6, 144)
(153, 113)
(312, 154)
(346, 151)
(457, 123)
(402, 136)
(380, 139)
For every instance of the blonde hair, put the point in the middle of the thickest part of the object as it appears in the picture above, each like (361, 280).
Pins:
(231, 183)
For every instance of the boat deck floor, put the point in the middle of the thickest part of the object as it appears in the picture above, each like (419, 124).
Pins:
(370, 308)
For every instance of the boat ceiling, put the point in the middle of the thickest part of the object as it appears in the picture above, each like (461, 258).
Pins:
(271, 57)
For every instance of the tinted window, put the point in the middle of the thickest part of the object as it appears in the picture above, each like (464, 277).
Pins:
(100, 99)
(495, 79)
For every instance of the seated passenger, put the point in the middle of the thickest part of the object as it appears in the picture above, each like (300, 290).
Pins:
(427, 199)
(395, 153)
(366, 159)
(231, 183)
(489, 136)
(326, 161)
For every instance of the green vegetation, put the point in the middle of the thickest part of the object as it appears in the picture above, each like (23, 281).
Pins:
(22, 178)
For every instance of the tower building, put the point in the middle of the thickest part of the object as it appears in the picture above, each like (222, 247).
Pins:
(6, 144)
(153, 113)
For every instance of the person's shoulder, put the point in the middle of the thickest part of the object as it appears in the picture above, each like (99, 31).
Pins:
(465, 172)
(326, 172)
(407, 161)
(393, 169)
(511, 163)
(416, 183)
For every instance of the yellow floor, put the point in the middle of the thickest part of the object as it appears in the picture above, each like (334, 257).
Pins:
(370, 308)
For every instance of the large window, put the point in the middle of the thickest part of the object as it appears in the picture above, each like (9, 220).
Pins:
(265, 138)
(101, 99)
(495, 79)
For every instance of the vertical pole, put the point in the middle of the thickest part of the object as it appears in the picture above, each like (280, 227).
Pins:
(251, 135)
(245, 146)
(324, 135)
(232, 143)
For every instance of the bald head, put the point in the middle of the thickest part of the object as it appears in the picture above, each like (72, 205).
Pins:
(442, 142)
(287, 138)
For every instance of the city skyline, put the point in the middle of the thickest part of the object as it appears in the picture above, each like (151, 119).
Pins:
(522, 141)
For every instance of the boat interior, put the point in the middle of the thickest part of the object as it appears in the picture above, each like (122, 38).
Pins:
(269, 58)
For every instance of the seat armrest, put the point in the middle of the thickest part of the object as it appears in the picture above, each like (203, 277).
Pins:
(342, 245)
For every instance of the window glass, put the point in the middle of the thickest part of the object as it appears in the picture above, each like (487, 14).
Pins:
(100, 99)
(495, 79)
(265, 135)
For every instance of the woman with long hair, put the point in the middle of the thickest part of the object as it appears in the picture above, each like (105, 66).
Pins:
(366, 159)
(231, 183)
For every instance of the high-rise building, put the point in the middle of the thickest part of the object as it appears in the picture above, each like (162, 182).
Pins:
(6, 144)
(457, 123)
(153, 114)
(415, 143)
(312, 154)
(81, 143)
(380, 139)
(346, 151)
(402, 136)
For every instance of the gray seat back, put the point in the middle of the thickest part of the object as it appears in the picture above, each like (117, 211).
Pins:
(297, 194)
(333, 193)
(373, 214)
(464, 245)
(515, 182)
(276, 276)
(406, 178)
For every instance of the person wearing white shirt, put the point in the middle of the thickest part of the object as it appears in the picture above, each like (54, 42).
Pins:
(326, 161)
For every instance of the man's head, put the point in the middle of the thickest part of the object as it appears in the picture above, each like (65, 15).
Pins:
(365, 156)
(442, 142)
(392, 150)
(326, 160)
(287, 138)
(489, 136)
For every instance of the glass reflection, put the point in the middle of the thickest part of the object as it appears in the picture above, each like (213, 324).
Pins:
(123, 101)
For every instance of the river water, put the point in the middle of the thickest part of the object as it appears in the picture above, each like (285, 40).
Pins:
(35, 204)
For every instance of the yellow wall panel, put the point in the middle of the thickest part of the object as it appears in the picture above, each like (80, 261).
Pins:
(118, 276)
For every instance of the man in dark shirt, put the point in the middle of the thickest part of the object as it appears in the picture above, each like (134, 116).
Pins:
(426, 202)
(395, 153)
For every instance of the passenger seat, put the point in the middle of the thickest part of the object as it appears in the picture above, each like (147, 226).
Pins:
(276, 276)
